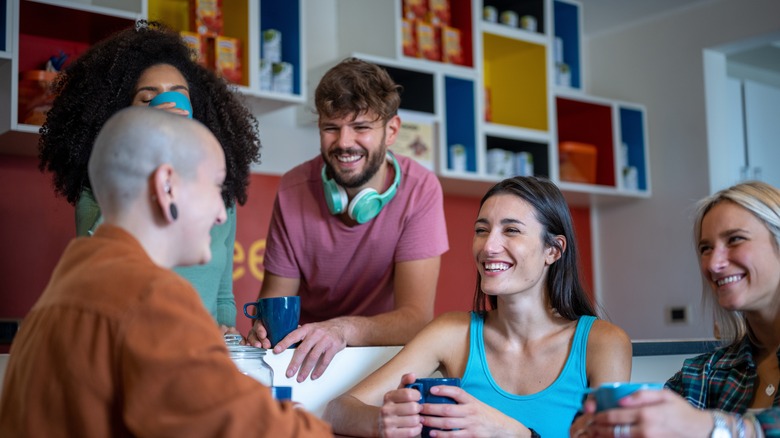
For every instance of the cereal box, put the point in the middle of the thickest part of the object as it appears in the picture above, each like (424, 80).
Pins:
(227, 59)
(439, 12)
(415, 9)
(451, 50)
(409, 37)
(429, 41)
(196, 42)
(206, 17)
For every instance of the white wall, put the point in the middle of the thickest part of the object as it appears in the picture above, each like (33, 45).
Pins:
(646, 261)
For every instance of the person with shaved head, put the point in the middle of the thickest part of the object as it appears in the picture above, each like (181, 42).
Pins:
(118, 345)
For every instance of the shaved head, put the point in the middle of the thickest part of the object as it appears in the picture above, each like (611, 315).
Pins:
(133, 143)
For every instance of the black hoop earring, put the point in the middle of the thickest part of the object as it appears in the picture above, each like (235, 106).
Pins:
(174, 211)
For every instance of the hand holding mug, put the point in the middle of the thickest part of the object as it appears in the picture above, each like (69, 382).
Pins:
(446, 406)
(400, 413)
(278, 317)
(173, 101)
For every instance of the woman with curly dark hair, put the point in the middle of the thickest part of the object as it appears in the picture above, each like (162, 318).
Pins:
(130, 68)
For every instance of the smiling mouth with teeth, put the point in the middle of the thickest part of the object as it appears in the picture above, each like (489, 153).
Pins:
(496, 267)
(348, 158)
(730, 279)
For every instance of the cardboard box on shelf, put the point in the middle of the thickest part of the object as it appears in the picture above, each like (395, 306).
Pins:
(439, 12)
(409, 37)
(416, 139)
(227, 59)
(206, 17)
(451, 49)
(429, 41)
(415, 9)
(577, 162)
(199, 46)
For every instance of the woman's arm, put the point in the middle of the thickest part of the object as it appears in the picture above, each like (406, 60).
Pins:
(226, 301)
(609, 354)
(441, 345)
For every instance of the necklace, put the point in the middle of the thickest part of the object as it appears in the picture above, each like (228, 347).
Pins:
(770, 389)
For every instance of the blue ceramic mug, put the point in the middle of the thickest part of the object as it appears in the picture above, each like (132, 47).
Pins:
(608, 394)
(424, 386)
(181, 101)
(279, 315)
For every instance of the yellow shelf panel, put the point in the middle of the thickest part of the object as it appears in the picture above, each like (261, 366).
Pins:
(516, 76)
(174, 13)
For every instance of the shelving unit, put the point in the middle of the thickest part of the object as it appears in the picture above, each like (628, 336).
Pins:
(35, 30)
(503, 96)
(246, 20)
(507, 97)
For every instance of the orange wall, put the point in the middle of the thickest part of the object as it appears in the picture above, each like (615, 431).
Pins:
(36, 227)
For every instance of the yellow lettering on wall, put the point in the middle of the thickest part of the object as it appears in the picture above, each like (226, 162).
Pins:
(255, 262)
(256, 253)
(238, 259)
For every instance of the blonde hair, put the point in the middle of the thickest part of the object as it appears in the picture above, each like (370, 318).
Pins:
(762, 201)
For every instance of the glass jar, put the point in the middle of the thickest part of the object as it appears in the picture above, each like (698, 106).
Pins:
(249, 360)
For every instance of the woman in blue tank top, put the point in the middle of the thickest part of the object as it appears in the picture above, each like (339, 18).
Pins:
(527, 352)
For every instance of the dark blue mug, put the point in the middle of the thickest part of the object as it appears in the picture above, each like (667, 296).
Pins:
(181, 101)
(424, 386)
(279, 315)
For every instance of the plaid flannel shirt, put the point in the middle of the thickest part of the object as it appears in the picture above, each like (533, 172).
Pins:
(724, 379)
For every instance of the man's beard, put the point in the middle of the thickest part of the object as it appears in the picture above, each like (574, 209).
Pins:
(372, 167)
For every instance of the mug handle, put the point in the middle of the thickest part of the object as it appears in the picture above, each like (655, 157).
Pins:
(257, 308)
(419, 388)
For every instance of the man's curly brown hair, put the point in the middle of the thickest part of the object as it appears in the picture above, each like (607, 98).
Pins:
(102, 81)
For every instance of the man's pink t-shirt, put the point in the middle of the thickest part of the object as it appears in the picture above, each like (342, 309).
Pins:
(348, 270)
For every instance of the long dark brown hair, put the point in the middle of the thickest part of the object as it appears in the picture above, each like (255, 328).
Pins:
(564, 288)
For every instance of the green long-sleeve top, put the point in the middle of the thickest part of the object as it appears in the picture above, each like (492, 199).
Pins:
(213, 281)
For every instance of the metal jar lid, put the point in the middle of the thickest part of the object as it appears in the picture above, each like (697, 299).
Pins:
(238, 351)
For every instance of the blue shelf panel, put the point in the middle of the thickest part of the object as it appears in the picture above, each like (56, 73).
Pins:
(567, 27)
(632, 133)
(460, 119)
(284, 16)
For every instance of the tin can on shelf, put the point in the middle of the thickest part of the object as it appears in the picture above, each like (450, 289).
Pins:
(490, 14)
(509, 18)
(528, 22)
(282, 73)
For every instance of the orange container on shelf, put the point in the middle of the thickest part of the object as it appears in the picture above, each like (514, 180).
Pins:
(35, 95)
(577, 162)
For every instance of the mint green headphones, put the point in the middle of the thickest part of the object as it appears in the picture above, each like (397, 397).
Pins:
(367, 203)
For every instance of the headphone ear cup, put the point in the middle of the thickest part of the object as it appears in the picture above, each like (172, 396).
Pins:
(365, 205)
(335, 195)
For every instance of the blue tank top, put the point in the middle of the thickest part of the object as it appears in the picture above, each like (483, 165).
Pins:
(550, 411)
